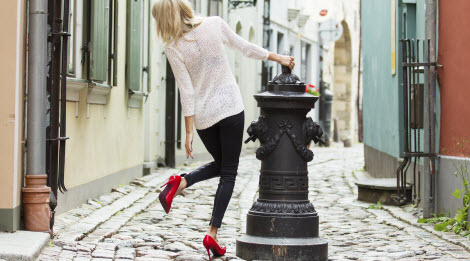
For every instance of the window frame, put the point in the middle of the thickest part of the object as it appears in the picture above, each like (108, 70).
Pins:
(80, 56)
(196, 4)
(220, 8)
(71, 57)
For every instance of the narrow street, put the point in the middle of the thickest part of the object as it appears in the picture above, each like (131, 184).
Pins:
(129, 223)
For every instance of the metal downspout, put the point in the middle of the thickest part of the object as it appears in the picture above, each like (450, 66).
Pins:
(430, 112)
(36, 193)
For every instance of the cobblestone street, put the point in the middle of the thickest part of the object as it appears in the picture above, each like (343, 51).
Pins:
(130, 224)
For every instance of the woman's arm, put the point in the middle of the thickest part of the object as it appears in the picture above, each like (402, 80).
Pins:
(186, 95)
(183, 79)
(188, 122)
(251, 50)
(234, 41)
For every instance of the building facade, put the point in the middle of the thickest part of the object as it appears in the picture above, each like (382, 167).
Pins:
(13, 72)
(341, 66)
(384, 24)
(454, 134)
(122, 110)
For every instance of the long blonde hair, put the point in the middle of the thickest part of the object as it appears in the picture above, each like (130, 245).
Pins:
(174, 18)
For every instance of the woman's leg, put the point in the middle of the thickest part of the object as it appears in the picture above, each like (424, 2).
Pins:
(210, 138)
(230, 137)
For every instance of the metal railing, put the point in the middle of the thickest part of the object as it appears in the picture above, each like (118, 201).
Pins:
(418, 119)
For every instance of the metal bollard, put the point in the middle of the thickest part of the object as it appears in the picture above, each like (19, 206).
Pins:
(325, 111)
(283, 224)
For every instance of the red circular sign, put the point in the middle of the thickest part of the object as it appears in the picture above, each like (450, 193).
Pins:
(323, 12)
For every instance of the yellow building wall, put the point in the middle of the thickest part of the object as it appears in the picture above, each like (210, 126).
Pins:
(12, 73)
(104, 139)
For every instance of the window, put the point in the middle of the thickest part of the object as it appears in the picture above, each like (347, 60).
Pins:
(91, 48)
(100, 41)
(196, 5)
(305, 62)
(134, 45)
(308, 63)
(91, 42)
(280, 49)
(138, 13)
(71, 43)
(215, 8)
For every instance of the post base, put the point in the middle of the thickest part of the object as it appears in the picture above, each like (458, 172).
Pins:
(36, 199)
(276, 249)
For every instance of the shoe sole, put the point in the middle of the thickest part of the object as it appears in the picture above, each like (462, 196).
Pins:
(162, 198)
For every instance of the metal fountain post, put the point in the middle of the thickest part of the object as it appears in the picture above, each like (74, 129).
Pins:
(283, 224)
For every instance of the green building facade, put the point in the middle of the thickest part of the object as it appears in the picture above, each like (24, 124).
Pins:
(384, 23)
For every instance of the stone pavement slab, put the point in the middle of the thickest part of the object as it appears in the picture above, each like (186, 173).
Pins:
(137, 228)
(22, 245)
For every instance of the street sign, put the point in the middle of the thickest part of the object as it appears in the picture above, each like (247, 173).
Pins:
(323, 12)
(330, 30)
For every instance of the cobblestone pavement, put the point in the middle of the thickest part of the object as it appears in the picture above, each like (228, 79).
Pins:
(129, 223)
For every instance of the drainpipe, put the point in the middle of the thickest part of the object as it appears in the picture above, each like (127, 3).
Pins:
(430, 112)
(36, 195)
(358, 100)
(266, 42)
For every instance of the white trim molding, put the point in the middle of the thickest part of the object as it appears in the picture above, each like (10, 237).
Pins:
(74, 86)
(135, 99)
(98, 93)
(17, 105)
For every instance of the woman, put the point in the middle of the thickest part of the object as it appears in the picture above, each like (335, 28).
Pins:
(210, 99)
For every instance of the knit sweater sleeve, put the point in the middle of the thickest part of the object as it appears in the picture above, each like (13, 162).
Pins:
(234, 41)
(183, 80)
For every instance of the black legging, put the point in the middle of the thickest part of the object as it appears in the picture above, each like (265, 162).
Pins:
(224, 142)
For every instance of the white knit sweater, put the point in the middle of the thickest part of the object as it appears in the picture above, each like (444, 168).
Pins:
(207, 87)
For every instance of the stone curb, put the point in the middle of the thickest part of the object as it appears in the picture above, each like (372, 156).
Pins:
(112, 225)
(408, 218)
(22, 245)
(450, 237)
(87, 224)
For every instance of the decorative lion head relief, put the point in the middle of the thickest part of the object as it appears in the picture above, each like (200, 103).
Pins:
(270, 138)
(312, 131)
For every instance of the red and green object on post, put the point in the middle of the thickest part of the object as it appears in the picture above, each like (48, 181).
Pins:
(310, 88)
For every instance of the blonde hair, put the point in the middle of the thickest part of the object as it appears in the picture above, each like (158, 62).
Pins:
(174, 18)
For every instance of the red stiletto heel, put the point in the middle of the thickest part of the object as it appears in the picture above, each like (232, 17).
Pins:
(210, 244)
(167, 195)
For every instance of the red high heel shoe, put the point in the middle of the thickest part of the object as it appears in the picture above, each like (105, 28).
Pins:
(210, 244)
(166, 196)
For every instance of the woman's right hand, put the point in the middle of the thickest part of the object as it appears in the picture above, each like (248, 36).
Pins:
(189, 144)
(286, 61)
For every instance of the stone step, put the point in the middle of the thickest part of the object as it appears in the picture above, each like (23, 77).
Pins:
(380, 189)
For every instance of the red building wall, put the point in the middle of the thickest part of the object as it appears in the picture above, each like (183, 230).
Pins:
(454, 77)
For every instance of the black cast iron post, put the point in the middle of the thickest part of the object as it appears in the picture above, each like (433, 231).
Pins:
(283, 224)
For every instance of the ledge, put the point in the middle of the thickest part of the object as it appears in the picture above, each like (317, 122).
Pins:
(74, 86)
(302, 20)
(292, 14)
(98, 93)
(135, 99)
